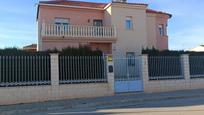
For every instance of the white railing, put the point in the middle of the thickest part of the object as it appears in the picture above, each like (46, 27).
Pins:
(77, 31)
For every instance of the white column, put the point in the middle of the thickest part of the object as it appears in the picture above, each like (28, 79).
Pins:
(115, 32)
(144, 71)
(54, 69)
(43, 31)
(39, 47)
(110, 74)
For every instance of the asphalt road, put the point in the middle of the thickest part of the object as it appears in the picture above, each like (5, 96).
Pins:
(193, 106)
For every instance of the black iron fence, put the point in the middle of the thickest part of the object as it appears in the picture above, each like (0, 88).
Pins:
(82, 69)
(165, 67)
(24, 70)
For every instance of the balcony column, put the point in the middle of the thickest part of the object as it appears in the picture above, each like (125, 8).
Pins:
(43, 29)
(115, 31)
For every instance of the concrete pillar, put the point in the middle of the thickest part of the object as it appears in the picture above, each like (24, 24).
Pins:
(186, 69)
(110, 73)
(54, 76)
(54, 69)
(185, 66)
(144, 71)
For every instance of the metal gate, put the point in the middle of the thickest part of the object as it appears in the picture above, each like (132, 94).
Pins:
(127, 75)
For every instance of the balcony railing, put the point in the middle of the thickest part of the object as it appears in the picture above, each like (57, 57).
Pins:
(53, 30)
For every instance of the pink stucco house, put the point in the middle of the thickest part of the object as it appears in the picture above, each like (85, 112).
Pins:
(117, 27)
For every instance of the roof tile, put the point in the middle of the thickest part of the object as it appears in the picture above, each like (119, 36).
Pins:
(157, 12)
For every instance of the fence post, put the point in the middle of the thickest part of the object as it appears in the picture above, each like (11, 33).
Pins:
(186, 69)
(144, 71)
(110, 73)
(54, 69)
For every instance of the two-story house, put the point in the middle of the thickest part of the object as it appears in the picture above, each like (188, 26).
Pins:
(119, 28)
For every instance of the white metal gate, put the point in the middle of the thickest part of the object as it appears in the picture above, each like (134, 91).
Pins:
(127, 75)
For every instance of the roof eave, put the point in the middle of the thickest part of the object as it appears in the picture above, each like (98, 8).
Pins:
(170, 15)
(68, 6)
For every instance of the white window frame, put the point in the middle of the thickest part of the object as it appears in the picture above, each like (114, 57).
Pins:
(161, 30)
(129, 23)
(62, 21)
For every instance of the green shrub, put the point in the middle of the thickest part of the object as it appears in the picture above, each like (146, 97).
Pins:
(69, 51)
(154, 52)
(16, 51)
(81, 51)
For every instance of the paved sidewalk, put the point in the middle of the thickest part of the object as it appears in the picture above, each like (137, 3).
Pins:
(128, 98)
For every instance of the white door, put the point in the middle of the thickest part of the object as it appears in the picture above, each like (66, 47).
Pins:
(127, 74)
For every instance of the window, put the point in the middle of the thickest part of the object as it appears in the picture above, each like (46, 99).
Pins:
(161, 30)
(97, 23)
(61, 21)
(129, 23)
(130, 58)
(98, 31)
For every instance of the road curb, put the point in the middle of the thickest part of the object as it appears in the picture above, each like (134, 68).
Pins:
(84, 105)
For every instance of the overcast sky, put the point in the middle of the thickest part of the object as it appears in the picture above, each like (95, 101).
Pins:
(18, 25)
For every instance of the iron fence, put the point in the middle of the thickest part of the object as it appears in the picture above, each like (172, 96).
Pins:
(24, 70)
(165, 68)
(196, 64)
(82, 69)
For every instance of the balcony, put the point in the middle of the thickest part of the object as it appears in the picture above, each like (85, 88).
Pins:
(72, 31)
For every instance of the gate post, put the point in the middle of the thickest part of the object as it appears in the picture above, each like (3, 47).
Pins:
(110, 73)
(186, 70)
(54, 69)
(54, 75)
(145, 72)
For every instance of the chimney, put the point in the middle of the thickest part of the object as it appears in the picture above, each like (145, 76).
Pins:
(120, 1)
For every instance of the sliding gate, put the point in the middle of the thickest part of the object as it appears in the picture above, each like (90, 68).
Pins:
(127, 75)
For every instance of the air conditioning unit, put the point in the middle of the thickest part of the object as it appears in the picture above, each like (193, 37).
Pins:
(122, 1)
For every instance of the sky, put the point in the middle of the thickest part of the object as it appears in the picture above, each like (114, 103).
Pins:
(18, 26)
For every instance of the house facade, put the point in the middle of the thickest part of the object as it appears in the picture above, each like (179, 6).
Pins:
(30, 48)
(118, 28)
(199, 48)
